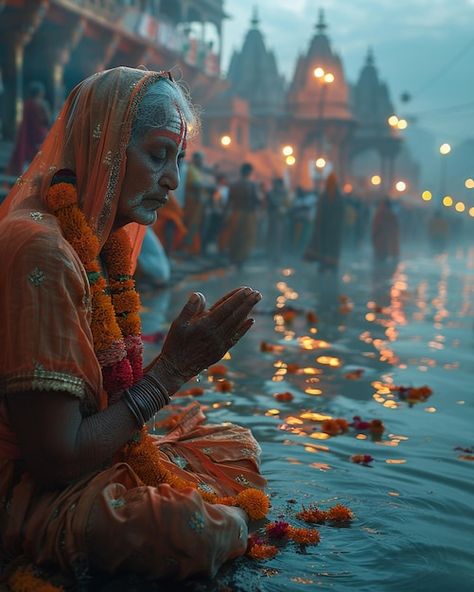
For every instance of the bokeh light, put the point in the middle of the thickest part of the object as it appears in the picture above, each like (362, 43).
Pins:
(460, 206)
(320, 163)
(318, 72)
(287, 150)
(445, 148)
(290, 160)
(447, 201)
(226, 140)
(376, 179)
(426, 195)
(400, 186)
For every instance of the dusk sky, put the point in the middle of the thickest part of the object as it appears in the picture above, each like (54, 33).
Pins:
(424, 47)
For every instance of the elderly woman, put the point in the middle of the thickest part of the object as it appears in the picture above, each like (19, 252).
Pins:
(81, 480)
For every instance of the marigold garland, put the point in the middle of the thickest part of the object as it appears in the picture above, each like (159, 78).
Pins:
(304, 536)
(24, 579)
(116, 331)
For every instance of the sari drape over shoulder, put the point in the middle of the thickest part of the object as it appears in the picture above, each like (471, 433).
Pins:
(107, 519)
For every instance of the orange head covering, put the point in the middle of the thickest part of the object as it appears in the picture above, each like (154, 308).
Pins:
(90, 138)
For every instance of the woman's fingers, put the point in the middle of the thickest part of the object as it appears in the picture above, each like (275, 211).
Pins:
(239, 314)
(241, 331)
(225, 297)
(195, 305)
(226, 308)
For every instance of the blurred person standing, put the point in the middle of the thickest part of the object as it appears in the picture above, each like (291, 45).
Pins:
(385, 232)
(198, 189)
(438, 232)
(302, 211)
(244, 200)
(277, 210)
(32, 131)
(217, 208)
(169, 226)
(326, 240)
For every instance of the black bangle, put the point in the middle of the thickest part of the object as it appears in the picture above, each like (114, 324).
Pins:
(145, 398)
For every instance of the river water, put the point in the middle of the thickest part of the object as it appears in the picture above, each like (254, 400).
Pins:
(413, 504)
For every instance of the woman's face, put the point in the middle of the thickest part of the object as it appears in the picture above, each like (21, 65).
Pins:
(152, 170)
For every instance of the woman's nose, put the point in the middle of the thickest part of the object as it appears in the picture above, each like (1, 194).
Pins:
(170, 177)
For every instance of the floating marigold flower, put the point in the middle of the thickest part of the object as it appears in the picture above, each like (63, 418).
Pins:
(362, 459)
(286, 396)
(254, 539)
(354, 374)
(223, 386)
(288, 315)
(262, 551)
(254, 502)
(334, 427)
(376, 427)
(358, 424)
(195, 391)
(217, 370)
(342, 423)
(304, 536)
(312, 515)
(277, 530)
(339, 513)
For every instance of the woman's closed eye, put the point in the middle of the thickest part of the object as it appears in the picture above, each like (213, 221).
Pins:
(158, 156)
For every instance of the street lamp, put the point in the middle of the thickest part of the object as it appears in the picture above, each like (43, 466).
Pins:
(287, 150)
(400, 186)
(226, 140)
(444, 150)
(325, 79)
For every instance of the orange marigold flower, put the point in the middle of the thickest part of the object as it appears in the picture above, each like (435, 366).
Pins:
(331, 427)
(339, 513)
(116, 251)
(227, 500)
(288, 315)
(223, 386)
(128, 301)
(195, 391)
(23, 579)
(130, 325)
(60, 196)
(278, 529)
(312, 515)
(262, 551)
(254, 502)
(304, 536)
(377, 427)
(286, 396)
(217, 370)
(342, 423)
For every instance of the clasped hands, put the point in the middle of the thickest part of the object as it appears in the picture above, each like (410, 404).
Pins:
(199, 338)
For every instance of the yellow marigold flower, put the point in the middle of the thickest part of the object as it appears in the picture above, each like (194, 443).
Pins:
(254, 502)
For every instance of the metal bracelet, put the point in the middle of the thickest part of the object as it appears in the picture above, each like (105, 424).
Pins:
(145, 398)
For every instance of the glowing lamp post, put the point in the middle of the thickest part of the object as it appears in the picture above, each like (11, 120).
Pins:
(444, 150)
(400, 186)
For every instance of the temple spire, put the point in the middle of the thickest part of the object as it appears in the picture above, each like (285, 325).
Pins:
(321, 24)
(255, 19)
(370, 57)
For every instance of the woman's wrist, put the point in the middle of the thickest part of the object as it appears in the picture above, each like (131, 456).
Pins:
(167, 375)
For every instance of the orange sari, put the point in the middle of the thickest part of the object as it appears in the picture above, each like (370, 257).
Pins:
(108, 519)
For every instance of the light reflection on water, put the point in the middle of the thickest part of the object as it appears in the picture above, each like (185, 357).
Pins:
(376, 329)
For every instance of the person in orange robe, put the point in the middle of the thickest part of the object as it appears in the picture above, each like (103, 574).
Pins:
(72, 408)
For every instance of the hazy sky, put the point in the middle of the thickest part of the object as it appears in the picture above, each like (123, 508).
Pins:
(424, 47)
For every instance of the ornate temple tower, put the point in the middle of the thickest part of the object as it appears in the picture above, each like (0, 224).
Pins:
(319, 120)
(253, 76)
(374, 138)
